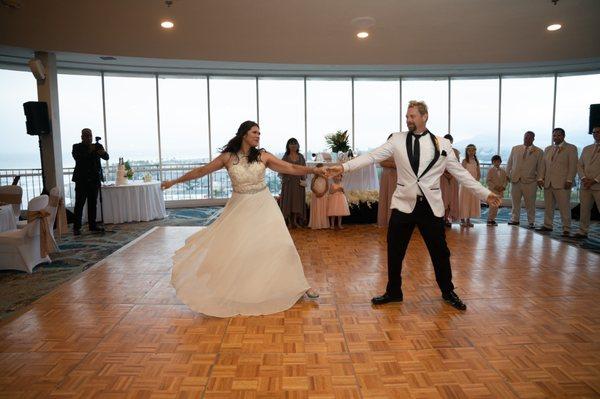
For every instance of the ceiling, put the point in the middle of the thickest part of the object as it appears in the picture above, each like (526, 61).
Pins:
(406, 32)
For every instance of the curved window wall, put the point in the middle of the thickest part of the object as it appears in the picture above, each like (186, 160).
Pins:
(173, 123)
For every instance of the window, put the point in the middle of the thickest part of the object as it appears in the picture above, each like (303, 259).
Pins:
(131, 120)
(80, 105)
(574, 94)
(329, 109)
(435, 93)
(376, 112)
(527, 104)
(474, 116)
(17, 148)
(281, 108)
(183, 105)
(232, 101)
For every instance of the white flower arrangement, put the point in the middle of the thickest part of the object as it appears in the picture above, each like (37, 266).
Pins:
(355, 197)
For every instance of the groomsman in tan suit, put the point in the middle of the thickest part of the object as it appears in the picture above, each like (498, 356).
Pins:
(589, 173)
(558, 173)
(524, 169)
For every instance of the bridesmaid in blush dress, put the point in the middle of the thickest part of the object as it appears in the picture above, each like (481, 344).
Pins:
(470, 206)
(449, 188)
(387, 186)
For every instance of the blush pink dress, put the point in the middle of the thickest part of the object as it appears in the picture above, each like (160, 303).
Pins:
(337, 204)
(387, 186)
(470, 206)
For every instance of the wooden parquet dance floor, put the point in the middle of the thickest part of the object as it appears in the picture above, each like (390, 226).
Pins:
(531, 330)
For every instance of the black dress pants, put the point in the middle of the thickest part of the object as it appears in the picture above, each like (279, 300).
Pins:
(432, 229)
(85, 191)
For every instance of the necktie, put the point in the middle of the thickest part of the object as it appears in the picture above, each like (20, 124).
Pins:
(556, 148)
(416, 153)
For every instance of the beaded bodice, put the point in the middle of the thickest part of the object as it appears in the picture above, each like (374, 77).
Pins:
(247, 178)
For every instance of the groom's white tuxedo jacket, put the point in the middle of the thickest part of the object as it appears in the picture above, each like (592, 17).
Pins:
(409, 185)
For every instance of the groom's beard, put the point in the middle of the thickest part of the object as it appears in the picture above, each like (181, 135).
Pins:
(411, 127)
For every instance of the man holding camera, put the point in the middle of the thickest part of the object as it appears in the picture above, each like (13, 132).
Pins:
(87, 177)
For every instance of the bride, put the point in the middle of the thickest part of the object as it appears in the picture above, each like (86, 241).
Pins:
(245, 263)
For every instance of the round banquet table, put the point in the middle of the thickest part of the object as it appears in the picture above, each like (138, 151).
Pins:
(137, 201)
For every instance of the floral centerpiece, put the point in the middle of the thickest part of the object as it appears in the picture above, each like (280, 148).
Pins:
(338, 141)
(128, 170)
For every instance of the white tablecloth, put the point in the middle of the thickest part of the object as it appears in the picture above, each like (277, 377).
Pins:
(135, 202)
(361, 179)
(7, 218)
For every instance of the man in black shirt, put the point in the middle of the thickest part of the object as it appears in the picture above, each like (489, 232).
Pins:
(87, 177)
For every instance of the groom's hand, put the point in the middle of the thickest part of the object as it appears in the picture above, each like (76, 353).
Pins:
(494, 200)
(333, 171)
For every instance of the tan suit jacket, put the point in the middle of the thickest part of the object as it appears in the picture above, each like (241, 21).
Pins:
(526, 169)
(496, 178)
(559, 166)
(589, 164)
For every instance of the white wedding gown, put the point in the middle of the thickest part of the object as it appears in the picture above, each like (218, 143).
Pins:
(245, 263)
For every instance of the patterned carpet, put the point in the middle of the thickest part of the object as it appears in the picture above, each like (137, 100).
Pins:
(79, 253)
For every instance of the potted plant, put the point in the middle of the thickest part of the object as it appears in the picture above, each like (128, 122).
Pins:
(338, 141)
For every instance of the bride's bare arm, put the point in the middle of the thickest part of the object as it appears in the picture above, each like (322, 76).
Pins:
(287, 168)
(196, 173)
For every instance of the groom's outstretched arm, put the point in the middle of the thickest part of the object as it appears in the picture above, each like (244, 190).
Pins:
(379, 154)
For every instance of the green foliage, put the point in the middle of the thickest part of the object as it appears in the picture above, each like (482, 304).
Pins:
(128, 170)
(338, 141)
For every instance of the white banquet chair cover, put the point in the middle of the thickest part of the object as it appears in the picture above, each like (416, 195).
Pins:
(50, 209)
(20, 248)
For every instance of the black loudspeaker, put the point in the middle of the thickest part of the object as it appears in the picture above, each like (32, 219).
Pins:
(38, 122)
(594, 116)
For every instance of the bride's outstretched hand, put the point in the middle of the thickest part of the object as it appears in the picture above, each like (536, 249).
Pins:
(320, 171)
(164, 185)
(334, 170)
(494, 200)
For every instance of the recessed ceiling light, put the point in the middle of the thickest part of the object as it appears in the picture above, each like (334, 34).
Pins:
(554, 27)
(167, 24)
(362, 35)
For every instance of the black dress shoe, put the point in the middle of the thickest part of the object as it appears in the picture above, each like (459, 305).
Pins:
(580, 236)
(531, 226)
(453, 299)
(385, 298)
(511, 223)
(97, 229)
(565, 234)
(544, 228)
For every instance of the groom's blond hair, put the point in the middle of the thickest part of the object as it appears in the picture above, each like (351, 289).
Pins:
(419, 105)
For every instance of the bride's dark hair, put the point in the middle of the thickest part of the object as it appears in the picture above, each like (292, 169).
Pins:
(235, 144)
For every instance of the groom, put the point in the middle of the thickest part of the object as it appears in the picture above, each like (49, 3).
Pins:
(420, 158)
